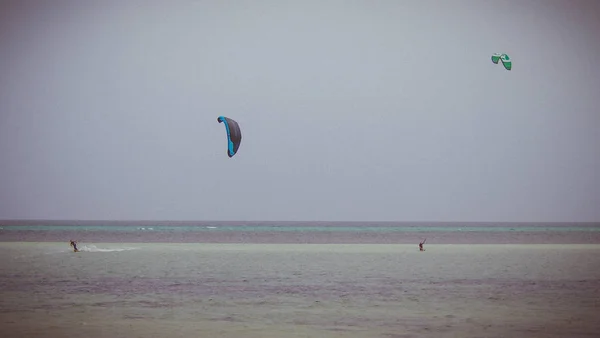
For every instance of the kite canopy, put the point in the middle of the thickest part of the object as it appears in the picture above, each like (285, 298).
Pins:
(506, 62)
(234, 135)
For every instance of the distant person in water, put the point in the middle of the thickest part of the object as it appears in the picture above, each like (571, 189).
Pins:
(74, 245)
(421, 245)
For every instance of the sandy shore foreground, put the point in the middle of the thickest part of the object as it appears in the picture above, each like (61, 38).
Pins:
(282, 290)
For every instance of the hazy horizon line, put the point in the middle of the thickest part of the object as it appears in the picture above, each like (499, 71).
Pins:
(24, 220)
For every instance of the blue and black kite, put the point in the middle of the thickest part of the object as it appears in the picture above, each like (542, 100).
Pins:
(234, 135)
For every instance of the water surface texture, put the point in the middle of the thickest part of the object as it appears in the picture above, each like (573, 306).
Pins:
(301, 232)
(299, 290)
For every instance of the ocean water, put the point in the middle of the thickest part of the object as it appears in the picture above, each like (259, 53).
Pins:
(299, 290)
(300, 232)
(279, 280)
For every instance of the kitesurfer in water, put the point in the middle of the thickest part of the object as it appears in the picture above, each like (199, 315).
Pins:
(421, 245)
(74, 245)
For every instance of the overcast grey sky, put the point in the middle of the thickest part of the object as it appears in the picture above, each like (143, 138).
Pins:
(349, 110)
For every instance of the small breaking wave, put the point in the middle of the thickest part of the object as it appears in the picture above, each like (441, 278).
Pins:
(93, 248)
(145, 228)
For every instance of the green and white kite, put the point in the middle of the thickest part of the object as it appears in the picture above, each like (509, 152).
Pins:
(506, 62)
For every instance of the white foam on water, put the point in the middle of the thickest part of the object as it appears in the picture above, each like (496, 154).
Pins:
(211, 227)
(93, 248)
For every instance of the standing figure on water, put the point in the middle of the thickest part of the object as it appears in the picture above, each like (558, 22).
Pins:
(74, 245)
(421, 245)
